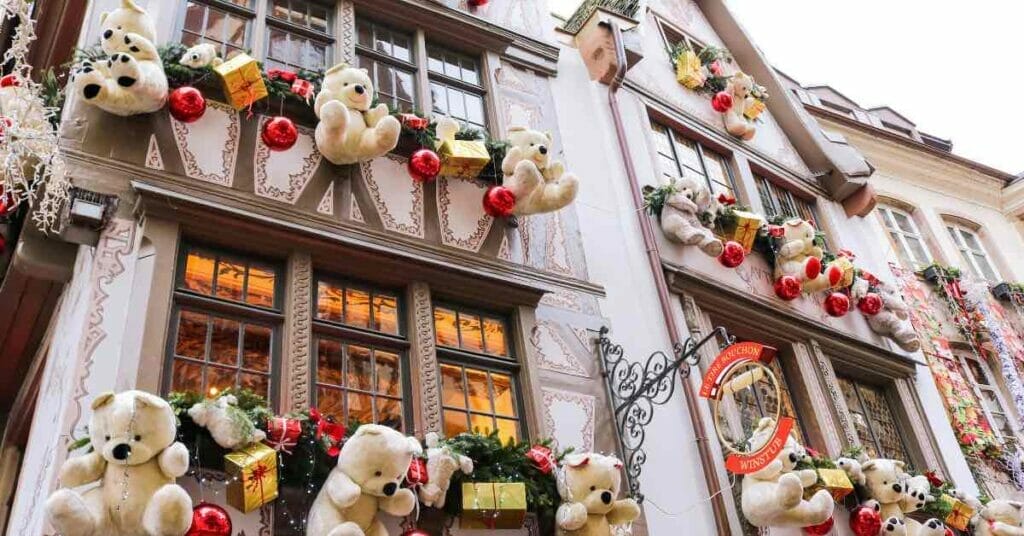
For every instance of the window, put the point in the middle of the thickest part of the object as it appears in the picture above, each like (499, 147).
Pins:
(838, 108)
(681, 157)
(978, 373)
(478, 373)
(673, 37)
(897, 129)
(224, 23)
(389, 57)
(359, 355)
(455, 87)
(905, 237)
(778, 201)
(973, 253)
(755, 403)
(225, 324)
(873, 419)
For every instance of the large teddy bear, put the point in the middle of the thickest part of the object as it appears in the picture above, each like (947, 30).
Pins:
(230, 427)
(134, 461)
(371, 467)
(350, 130)
(888, 484)
(131, 80)
(737, 124)
(588, 484)
(1000, 518)
(441, 466)
(798, 256)
(774, 495)
(680, 217)
(538, 183)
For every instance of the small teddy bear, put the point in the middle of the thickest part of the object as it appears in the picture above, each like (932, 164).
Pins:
(680, 217)
(131, 80)
(588, 484)
(230, 427)
(736, 123)
(774, 495)
(1000, 518)
(441, 465)
(800, 257)
(894, 319)
(538, 183)
(853, 470)
(201, 55)
(886, 483)
(350, 130)
(371, 467)
(130, 473)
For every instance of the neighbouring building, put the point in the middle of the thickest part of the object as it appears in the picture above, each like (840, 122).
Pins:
(220, 263)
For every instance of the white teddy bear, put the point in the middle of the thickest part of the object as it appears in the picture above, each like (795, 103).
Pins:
(853, 470)
(894, 319)
(916, 493)
(680, 217)
(800, 257)
(588, 484)
(130, 473)
(441, 465)
(371, 467)
(736, 123)
(131, 80)
(230, 427)
(774, 495)
(201, 55)
(1000, 518)
(538, 183)
(350, 130)
(887, 484)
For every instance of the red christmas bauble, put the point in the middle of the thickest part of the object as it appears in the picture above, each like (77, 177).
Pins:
(424, 165)
(209, 520)
(870, 304)
(721, 102)
(837, 304)
(865, 521)
(9, 81)
(499, 202)
(187, 104)
(949, 532)
(788, 288)
(732, 255)
(821, 529)
(280, 133)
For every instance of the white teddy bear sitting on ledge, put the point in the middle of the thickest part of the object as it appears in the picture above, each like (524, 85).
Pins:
(350, 131)
(539, 184)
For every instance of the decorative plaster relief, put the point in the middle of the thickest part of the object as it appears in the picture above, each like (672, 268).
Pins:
(398, 199)
(354, 213)
(153, 158)
(326, 205)
(556, 255)
(505, 251)
(461, 226)
(283, 175)
(209, 146)
(508, 77)
(425, 349)
(569, 418)
(301, 268)
(553, 352)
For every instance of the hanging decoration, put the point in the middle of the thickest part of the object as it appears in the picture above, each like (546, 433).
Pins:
(416, 532)
(210, 520)
(186, 104)
(685, 210)
(870, 304)
(732, 255)
(837, 304)
(499, 202)
(722, 102)
(279, 133)
(493, 506)
(424, 165)
(703, 72)
(242, 81)
(787, 288)
(865, 520)
(228, 424)
(351, 128)
(539, 183)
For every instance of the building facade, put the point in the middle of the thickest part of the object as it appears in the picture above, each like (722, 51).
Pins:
(221, 263)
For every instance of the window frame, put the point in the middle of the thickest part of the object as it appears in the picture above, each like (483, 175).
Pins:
(411, 67)
(968, 254)
(775, 191)
(902, 235)
(702, 151)
(992, 387)
(479, 89)
(251, 15)
(665, 29)
(859, 384)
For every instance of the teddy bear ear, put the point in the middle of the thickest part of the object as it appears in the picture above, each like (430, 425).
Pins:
(103, 400)
(549, 136)
(103, 17)
(868, 465)
(512, 130)
(130, 4)
(577, 460)
(148, 400)
(899, 464)
(336, 68)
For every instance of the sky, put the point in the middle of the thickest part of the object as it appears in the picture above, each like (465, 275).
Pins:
(954, 68)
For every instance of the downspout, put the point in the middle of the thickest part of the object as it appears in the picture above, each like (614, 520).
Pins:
(664, 299)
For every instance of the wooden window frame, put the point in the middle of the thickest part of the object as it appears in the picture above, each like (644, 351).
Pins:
(411, 67)
(773, 195)
(901, 242)
(968, 254)
(894, 416)
(995, 389)
(702, 152)
(251, 14)
(450, 82)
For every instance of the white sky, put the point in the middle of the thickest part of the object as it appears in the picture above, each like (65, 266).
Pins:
(954, 68)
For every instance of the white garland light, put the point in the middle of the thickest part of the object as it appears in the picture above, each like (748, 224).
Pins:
(33, 169)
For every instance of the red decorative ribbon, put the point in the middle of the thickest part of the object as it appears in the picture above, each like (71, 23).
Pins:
(726, 199)
(776, 231)
(846, 253)
(303, 88)
(335, 432)
(542, 458)
(414, 121)
(282, 75)
(934, 479)
(417, 474)
(256, 479)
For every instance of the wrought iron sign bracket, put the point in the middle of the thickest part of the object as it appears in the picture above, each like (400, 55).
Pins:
(635, 388)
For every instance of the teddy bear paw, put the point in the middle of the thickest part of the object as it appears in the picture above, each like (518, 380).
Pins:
(388, 130)
(573, 516)
(124, 69)
(346, 529)
(69, 514)
(90, 80)
(790, 491)
(334, 114)
(713, 247)
(812, 268)
(932, 527)
(894, 527)
(169, 512)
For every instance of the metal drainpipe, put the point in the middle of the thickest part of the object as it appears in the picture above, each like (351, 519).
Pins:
(654, 260)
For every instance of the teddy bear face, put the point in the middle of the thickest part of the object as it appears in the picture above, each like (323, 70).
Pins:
(127, 19)
(132, 427)
(349, 86)
(535, 146)
(592, 480)
(377, 458)
(799, 231)
(741, 85)
(690, 196)
(883, 480)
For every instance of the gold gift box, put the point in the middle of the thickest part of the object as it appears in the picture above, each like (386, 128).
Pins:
(688, 70)
(491, 506)
(744, 230)
(848, 269)
(255, 471)
(836, 481)
(754, 110)
(242, 81)
(960, 513)
(464, 159)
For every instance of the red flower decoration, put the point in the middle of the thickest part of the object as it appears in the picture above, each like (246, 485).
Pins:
(335, 432)
(414, 121)
(715, 67)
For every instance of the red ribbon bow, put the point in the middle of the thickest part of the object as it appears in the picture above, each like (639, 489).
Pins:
(726, 199)
(542, 458)
(335, 432)
(303, 88)
(776, 231)
(414, 121)
(255, 480)
(282, 75)
(417, 473)
(846, 253)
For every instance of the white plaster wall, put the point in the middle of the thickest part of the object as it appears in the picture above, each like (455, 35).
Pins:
(165, 14)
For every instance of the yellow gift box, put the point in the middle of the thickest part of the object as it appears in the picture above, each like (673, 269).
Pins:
(242, 81)
(254, 469)
(491, 506)
(688, 70)
(464, 159)
(846, 265)
(960, 513)
(743, 230)
(836, 481)
(754, 110)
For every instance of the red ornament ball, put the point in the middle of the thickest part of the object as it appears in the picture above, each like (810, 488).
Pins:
(721, 102)
(865, 521)
(732, 255)
(424, 165)
(280, 133)
(499, 202)
(9, 81)
(187, 104)
(821, 529)
(837, 304)
(870, 304)
(788, 288)
(949, 532)
(209, 520)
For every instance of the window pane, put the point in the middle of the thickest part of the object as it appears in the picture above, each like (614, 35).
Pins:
(453, 390)
(687, 152)
(903, 222)
(360, 369)
(401, 47)
(481, 424)
(435, 61)
(479, 392)
(389, 377)
(280, 47)
(187, 377)
(218, 379)
(389, 413)
(191, 341)
(234, 28)
(365, 31)
(329, 302)
(917, 250)
(385, 313)
(194, 14)
(455, 423)
(405, 90)
(258, 383)
(986, 268)
(199, 272)
(471, 332)
(504, 403)
(256, 348)
(508, 430)
(328, 361)
(439, 98)
(330, 403)
(318, 18)
(280, 9)
(357, 308)
(215, 24)
(224, 342)
(444, 326)
(360, 408)
(494, 336)
(230, 279)
(260, 286)
(971, 240)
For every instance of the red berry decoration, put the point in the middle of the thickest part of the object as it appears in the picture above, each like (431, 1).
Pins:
(732, 254)
(280, 133)
(821, 529)
(721, 102)
(187, 104)
(837, 304)
(499, 202)
(870, 304)
(9, 81)
(424, 165)
(788, 288)
(209, 520)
